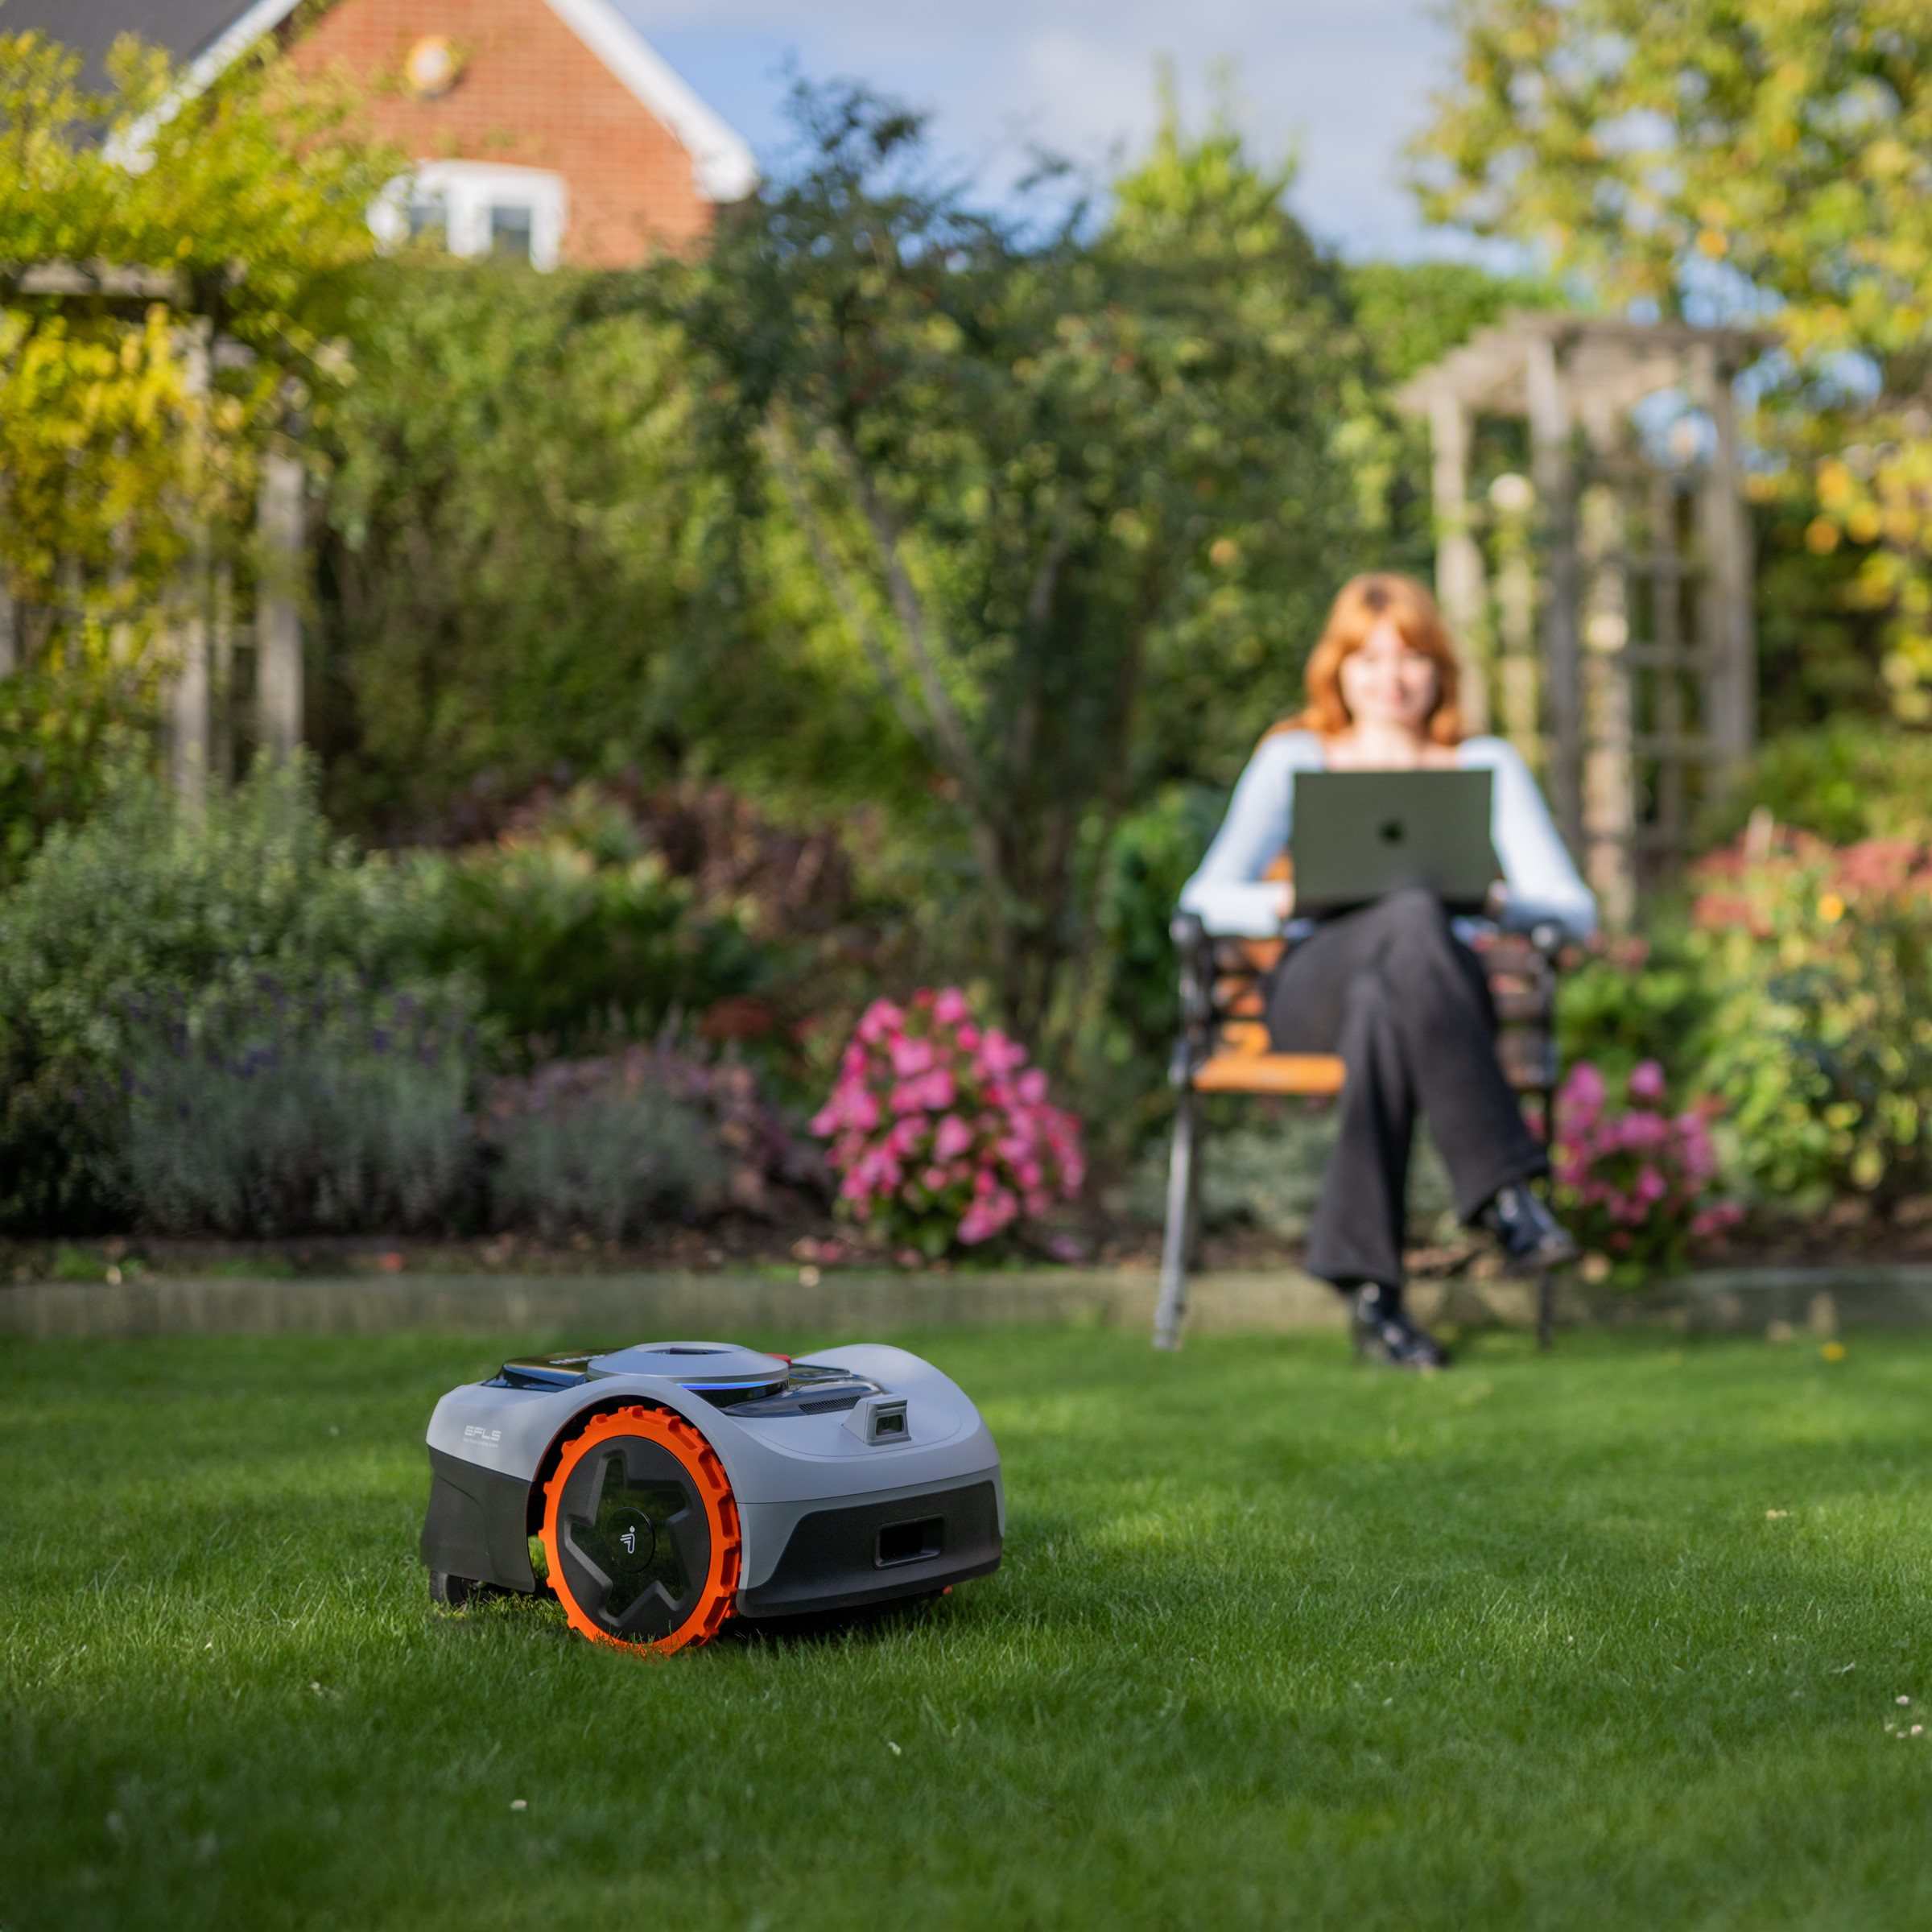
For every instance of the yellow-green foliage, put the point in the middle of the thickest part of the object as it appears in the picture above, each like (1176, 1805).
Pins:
(240, 206)
(94, 419)
(130, 423)
(1818, 963)
(1773, 152)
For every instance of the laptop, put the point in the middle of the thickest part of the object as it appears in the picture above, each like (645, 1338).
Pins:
(1360, 834)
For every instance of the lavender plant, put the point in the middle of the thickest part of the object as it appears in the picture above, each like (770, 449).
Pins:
(607, 1146)
(269, 1111)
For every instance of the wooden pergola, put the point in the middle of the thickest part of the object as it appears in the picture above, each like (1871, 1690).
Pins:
(1644, 689)
(232, 674)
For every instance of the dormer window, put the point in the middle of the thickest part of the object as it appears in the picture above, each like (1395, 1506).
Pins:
(477, 208)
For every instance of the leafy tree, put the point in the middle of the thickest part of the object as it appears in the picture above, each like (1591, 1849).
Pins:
(519, 567)
(1744, 156)
(1074, 500)
(1413, 313)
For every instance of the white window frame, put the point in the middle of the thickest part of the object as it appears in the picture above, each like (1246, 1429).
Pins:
(469, 190)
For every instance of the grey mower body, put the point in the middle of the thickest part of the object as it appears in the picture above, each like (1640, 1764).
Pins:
(857, 1475)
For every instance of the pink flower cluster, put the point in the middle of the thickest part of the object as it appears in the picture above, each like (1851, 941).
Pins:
(1634, 1182)
(941, 1130)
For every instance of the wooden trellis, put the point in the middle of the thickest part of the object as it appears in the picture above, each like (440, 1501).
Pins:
(229, 676)
(1643, 688)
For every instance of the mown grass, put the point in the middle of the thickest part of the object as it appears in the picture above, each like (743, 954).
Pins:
(1278, 1642)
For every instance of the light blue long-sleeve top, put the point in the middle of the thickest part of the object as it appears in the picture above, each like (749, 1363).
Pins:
(1228, 894)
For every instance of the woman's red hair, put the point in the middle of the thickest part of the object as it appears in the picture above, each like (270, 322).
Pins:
(1363, 603)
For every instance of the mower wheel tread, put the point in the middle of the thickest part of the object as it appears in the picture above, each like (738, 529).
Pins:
(672, 1431)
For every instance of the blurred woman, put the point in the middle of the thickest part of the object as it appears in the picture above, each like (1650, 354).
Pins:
(1393, 987)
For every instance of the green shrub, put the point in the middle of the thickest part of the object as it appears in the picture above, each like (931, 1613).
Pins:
(1633, 999)
(1818, 964)
(1854, 778)
(261, 1113)
(525, 553)
(1154, 852)
(66, 716)
(578, 933)
(1125, 1014)
(234, 1025)
(141, 906)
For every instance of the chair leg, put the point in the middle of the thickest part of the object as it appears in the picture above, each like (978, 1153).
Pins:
(1197, 1157)
(1177, 1245)
(1546, 1282)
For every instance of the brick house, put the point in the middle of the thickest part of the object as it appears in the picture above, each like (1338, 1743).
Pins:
(547, 128)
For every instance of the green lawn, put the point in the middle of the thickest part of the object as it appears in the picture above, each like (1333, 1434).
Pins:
(1616, 1638)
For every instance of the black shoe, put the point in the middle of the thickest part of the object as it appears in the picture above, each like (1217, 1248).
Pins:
(1531, 1236)
(1384, 1333)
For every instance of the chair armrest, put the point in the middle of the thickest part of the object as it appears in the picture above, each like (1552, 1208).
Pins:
(1196, 949)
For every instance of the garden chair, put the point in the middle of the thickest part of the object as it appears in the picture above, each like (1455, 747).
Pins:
(1224, 1048)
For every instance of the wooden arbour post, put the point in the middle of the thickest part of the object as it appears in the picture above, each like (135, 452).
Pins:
(1546, 399)
(1459, 583)
(280, 521)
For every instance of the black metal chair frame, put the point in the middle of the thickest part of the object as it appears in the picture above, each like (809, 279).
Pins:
(1219, 1051)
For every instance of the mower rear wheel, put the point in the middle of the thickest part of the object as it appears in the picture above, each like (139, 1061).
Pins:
(640, 1532)
(451, 1591)
(456, 1592)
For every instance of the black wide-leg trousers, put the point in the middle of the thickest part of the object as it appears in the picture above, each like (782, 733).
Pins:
(1404, 1002)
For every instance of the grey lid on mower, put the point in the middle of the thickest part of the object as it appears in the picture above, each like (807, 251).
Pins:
(706, 1365)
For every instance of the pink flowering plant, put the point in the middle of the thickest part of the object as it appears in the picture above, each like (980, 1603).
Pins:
(1635, 1184)
(941, 1133)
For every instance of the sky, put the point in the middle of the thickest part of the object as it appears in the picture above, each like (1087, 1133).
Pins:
(1341, 82)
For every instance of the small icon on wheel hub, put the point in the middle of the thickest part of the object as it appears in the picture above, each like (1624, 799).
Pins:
(635, 1532)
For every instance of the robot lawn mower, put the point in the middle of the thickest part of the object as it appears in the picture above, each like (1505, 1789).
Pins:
(674, 1484)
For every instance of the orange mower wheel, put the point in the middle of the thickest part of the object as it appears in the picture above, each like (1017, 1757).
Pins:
(641, 1533)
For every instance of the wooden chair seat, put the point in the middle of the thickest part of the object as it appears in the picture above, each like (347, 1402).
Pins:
(1233, 1070)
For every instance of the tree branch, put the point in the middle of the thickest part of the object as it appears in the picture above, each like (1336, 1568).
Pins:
(1047, 580)
(914, 619)
(784, 463)
(1039, 608)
